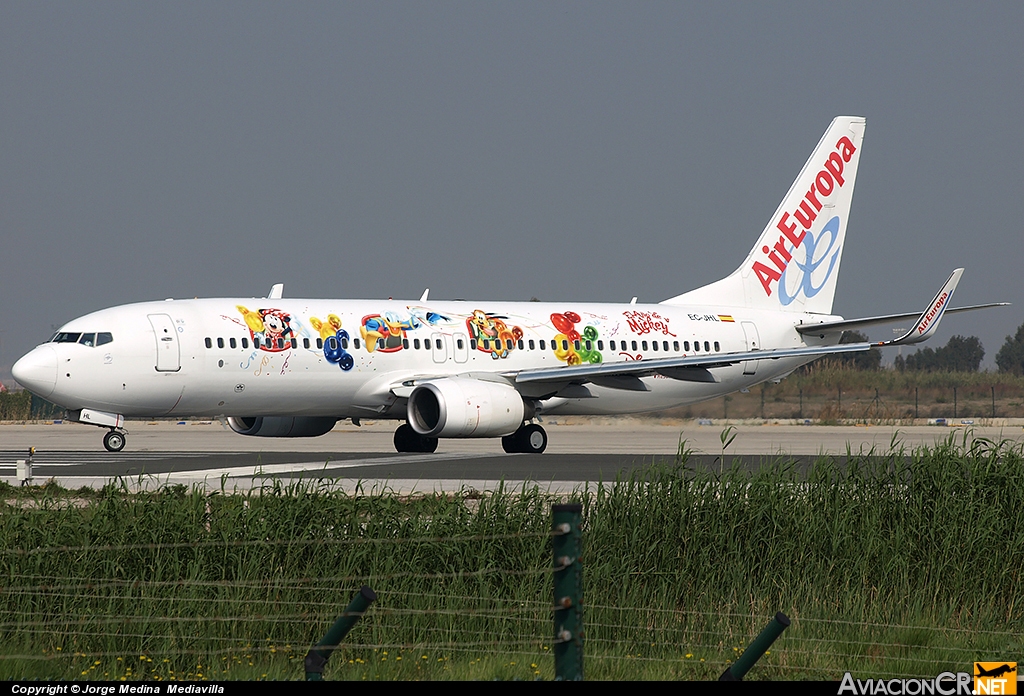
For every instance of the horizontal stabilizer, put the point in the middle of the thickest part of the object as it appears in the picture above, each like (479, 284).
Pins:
(834, 327)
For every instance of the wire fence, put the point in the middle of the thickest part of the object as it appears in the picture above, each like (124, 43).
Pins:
(680, 571)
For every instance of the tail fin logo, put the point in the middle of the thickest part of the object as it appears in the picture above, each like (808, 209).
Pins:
(778, 257)
(812, 263)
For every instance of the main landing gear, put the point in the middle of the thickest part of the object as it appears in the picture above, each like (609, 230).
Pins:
(408, 440)
(114, 440)
(529, 439)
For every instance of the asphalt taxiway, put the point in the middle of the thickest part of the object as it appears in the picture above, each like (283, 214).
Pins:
(579, 451)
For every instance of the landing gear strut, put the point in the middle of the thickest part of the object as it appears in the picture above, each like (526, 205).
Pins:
(114, 440)
(529, 439)
(408, 440)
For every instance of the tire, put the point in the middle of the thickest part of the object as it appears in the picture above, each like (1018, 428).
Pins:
(114, 441)
(408, 440)
(529, 439)
(532, 439)
(509, 444)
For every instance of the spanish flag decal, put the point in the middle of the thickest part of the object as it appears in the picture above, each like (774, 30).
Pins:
(725, 317)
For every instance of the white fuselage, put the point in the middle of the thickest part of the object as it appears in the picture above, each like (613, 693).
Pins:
(201, 357)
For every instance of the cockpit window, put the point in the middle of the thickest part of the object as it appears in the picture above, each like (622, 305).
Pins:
(86, 339)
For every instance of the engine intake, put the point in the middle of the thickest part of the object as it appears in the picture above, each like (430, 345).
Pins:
(465, 407)
(283, 426)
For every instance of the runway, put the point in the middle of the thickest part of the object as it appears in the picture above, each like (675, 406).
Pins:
(579, 451)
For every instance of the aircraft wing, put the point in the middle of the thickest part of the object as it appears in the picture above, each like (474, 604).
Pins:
(696, 368)
(693, 368)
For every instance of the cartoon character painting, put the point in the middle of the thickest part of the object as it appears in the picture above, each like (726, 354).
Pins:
(569, 345)
(270, 329)
(335, 340)
(492, 334)
(385, 332)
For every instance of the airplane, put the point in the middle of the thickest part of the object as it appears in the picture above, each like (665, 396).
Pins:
(276, 367)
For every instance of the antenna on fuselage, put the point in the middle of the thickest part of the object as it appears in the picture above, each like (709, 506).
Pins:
(276, 292)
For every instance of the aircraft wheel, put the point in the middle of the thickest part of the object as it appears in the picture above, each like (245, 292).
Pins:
(510, 444)
(408, 440)
(532, 439)
(114, 441)
(529, 439)
(405, 438)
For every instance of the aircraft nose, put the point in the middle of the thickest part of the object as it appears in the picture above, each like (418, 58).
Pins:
(37, 371)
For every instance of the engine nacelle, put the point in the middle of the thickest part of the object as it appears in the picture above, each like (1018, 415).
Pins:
(465, 407)
(283, 426)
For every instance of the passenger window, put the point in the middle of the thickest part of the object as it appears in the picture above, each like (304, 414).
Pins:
(280, 344)
(437, 342)
(305, 343)
(332, 343)
(508, 343)
(686, 346)
(600, 345)
(220, 342)
(487, 344)
(88, 339)
(717, 348)
(696, 345)
(209, 343)
(355, 343)
(344, 342)
(380, 343)
(472, 343)
(416, 343)
(542, 342)
(295, 343)
(675, 346)
(565, 344)
(611, 345)
(245, 342)
(319, 343)
(707, 346)
(654, 346)
(405, 343)
(233, 343)
(634, 345)
(460, 343)
(104, 338)
(531, 344)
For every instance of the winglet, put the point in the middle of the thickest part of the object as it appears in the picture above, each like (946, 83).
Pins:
(928, 322)
(276, 292)
(423, 297)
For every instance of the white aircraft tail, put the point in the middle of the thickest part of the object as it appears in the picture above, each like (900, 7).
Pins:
(795, 264)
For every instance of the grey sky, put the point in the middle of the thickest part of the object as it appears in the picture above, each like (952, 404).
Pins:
(568, 151)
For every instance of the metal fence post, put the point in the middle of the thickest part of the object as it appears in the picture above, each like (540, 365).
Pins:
(758, 647)
(568, 595)
(316, 658)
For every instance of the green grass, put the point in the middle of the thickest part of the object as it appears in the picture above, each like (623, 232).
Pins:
(904, 565)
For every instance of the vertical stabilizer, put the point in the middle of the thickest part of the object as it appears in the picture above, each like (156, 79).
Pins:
(795, 264)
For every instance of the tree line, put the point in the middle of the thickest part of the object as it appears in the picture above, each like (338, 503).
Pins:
(960, 354)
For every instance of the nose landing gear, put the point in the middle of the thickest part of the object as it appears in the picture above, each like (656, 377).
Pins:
(114, 440)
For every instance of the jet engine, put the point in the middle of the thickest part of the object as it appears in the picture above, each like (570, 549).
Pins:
(465, 407)
(282, 426)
